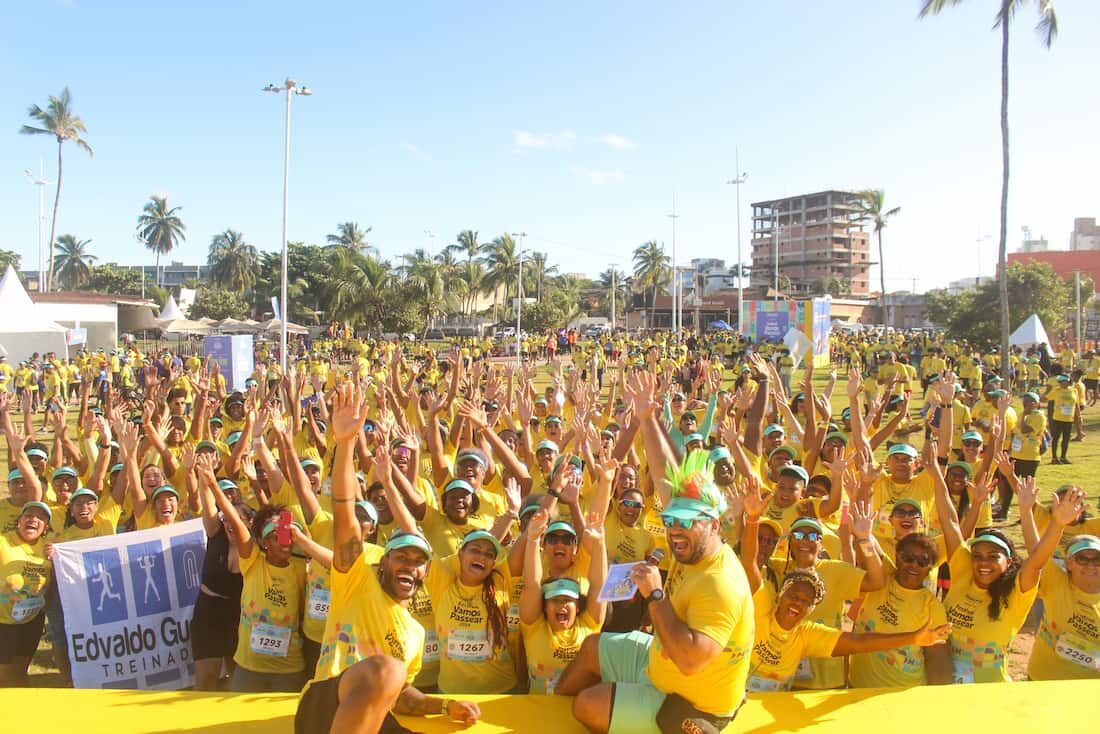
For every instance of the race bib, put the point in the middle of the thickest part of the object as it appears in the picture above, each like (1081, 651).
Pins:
(513, 617)
(27, 608)
(431, 647)
(270, 639)
(804, 672)
(756, 684)
(1067, 410)
(470, 646)
(963, 671)
(319, 601)
(1077, 650)
(1017, 443)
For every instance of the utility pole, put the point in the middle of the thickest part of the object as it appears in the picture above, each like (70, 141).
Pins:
(675, 273)
(738, 181)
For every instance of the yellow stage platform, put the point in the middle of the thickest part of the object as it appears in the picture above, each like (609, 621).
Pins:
(1005, 707)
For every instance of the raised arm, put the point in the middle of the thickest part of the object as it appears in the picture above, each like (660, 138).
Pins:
(945, 509)
(530, 600)
(755, 503)
(1064, 510)
(348, 414)
(593, 542)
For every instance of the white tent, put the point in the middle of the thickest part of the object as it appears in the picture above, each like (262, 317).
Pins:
(23, 330)
(1030, 333)
(170, 312)
(186, 328)
(273, 326)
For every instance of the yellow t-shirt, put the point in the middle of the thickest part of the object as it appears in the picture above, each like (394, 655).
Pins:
(24, 576)
(318, 598)
(9, 514)
(979, 645)
(364, 620)
(711, 597)
(548, 652)
(1067, 645)
(886, 491)
(842, 582)
(894, 609)
(1065, 404)
(470, 661)
(444, 535)
(104, 523)
(268, 637)
(777, 654)
(420, 607)
(626, 544)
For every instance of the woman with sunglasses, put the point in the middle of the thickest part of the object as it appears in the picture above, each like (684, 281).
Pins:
(1067, 645)
(844, 582)
(992, 590)
(555, 615)
(905, 603)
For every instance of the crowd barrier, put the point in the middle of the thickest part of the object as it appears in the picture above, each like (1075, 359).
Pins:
(946, 709)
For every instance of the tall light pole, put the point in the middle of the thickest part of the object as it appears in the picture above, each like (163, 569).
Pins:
(290, 88)
(675, 274)
(775, 274)
(613, 287)
(519, 294)
(40, 182)
(741, 176)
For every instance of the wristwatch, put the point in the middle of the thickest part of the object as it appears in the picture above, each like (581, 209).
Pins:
(656, 595)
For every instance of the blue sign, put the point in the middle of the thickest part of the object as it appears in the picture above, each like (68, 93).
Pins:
(149, 578)
(234, 356)
(771, 325)
(103, 577)
(187, 555)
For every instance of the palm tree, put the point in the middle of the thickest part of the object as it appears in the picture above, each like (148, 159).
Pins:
(233, 262)
(57, 120)
(427, 280)
(466, 244)
(160, 228)
(73, 261)
(615, 281)
(652, 269)
(501, 260)
(356, 285)
(1048, 29)
(539, 271)
(872, 208)
(349, 235)
(472, 275)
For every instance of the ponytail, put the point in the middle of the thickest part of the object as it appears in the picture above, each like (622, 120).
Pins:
(496, 624)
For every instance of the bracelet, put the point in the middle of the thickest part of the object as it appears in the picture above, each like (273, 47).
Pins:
(443, 705)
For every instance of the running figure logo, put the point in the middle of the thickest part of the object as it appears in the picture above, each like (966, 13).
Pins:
(104, 579)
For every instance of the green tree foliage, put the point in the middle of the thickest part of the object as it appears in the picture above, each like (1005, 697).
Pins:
(975, 314)
(73, 261)
(10, 257)
(218, 303)
(110, 278)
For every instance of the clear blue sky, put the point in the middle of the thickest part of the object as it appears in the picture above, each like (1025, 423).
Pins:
(574, 122)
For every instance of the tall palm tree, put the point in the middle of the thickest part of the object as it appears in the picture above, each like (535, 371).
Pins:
(501, 260)
(355, 286)
(652, 270)
(58, 120)
(539, 270)
(233, 262)
(466, 244)
(350, 236)
(472, 275)
(160, 228)
(872, 208)
(427, 279)
(1048, 29)
(73, 261)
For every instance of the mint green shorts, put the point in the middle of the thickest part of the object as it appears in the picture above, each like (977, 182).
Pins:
(623, 661)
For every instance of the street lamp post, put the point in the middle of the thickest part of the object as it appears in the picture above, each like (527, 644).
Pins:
(775, 265)
(740, 268)
(519, 294)
(290, 88)
(675, 275)
(40, 182)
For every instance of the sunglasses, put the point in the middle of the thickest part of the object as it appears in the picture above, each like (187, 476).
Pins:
(560, 539)
(972, 444)
(922, 561)
(1083, 560)
(812, 535)
(906, 513)
(686, 524)
(634, 504)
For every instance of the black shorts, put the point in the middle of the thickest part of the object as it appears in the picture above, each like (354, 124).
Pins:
(20, 640)
(1025, 468)
(214, 627)
(677, 715)
(317, 708)
(1090, 385)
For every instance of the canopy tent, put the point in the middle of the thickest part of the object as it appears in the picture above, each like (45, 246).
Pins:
(23, 330)
(233, 326)
(184, 327)
(170, 312)
(272, 326)
(1030, 333)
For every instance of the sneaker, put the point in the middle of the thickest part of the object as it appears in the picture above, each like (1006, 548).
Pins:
(1065, 461)
(1055, 461)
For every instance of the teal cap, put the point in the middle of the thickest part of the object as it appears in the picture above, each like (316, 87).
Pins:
(561, 587)
(482, 535)
(36, 505)
(83, 492)
(63, 471)
(990, 539)
(684, 508)
(796, 470)
(166, 489)
(401, 539)
(459, 484)
(903, 448)
(560, 526)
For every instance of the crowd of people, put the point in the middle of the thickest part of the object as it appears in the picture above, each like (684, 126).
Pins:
(390, 529)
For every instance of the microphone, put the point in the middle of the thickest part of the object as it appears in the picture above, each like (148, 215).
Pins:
(655, 558)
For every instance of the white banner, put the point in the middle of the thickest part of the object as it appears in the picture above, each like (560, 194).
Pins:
(128, 601)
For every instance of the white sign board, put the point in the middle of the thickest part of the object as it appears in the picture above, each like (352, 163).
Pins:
(128, 601)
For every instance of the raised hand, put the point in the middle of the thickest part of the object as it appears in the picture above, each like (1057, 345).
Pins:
(862, 516)
(512, 494)
(855, 383)
(593, 540)
(1027, 493)
(755, 502)
(536, 526)
(1066, 509)
(348, 412)
(248, 467)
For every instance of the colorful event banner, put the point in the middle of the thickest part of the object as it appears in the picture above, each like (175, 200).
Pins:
(128, 601)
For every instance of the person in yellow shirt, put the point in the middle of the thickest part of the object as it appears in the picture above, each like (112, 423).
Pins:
(785, 638)
(1067, 645)
(690, 674)
(7, 375)
(1092, 376)
(25, 572)
(552, 620)
(1065, 412)
(992, 590)
(904, 604)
